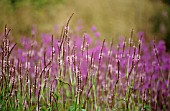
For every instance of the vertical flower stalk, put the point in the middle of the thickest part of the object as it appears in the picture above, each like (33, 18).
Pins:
(129, 52)
(79, 79)
(99, 63)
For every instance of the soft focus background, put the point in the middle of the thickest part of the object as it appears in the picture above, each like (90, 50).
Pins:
(113, 18)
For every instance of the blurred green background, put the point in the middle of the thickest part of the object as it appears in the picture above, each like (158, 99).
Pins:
(112, 18)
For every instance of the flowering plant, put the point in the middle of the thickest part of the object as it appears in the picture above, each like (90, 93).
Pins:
(73, 73)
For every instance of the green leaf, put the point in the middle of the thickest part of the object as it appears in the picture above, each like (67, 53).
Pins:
(55, 95)
(147, 107)
(49, 109)
(32, 108)
(98, 108)
(71, 108)
(63, 82)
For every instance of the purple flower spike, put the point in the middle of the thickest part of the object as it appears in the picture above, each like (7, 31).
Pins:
(88, 39)
(46, 38)
(93, 28)
(97, 34)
